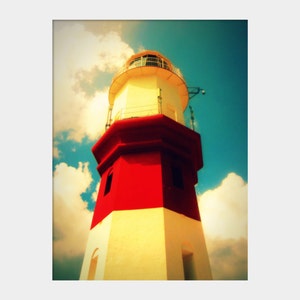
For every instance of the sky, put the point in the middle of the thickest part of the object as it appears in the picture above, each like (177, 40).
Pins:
(211, 54)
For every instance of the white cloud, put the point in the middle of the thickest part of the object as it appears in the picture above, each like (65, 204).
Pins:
(80, 57)
(55, 152)
(95, 193)
(224, 210)
(91, 117)
(71, 217)
(224, 217)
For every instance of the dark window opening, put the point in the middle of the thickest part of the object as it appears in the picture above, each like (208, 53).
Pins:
(153, 60)
(188, 267)
(177, 177)
(149, 60)
(108, 183)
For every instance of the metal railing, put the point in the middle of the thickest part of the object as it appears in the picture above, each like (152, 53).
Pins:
(149, 61)
(135, 112)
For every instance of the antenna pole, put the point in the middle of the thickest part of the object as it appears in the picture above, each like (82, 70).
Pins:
(193, 91)
(192, 118)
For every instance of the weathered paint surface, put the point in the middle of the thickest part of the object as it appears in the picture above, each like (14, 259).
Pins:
(146, 244)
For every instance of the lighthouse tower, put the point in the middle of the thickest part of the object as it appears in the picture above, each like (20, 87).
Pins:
(146, 223)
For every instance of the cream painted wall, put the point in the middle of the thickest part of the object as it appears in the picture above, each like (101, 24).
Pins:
(98, 238)
(170, 101)
(139, 97)
(136, 249)
(185, 235)
(146, 244)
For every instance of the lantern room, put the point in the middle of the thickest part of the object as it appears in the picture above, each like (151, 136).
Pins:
(148, 84)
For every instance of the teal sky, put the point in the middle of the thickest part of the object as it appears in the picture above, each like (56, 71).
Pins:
(212, 55)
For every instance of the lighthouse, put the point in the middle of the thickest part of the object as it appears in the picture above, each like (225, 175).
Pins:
(146, 223)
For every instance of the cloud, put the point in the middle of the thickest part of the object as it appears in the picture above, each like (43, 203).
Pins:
(71, 217)
(228, 258)
(91, 117)
(95, 193)
(225, 222)
(83, 62)
(55, 152)
(224, 209)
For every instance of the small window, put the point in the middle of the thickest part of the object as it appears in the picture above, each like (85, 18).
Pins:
(108, 184)
(177, 177)
(153, 60)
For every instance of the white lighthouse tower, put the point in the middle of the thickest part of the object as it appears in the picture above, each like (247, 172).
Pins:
(146, 223)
